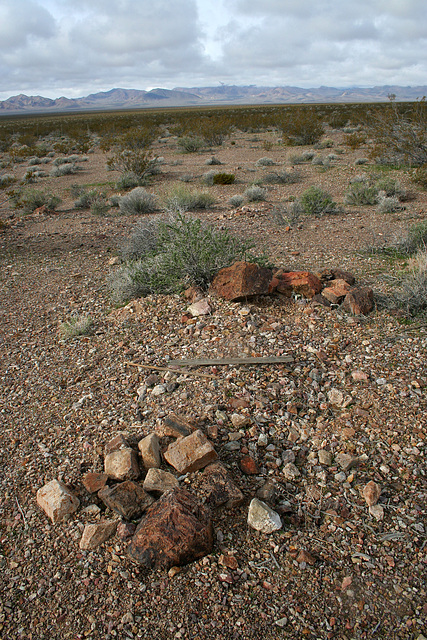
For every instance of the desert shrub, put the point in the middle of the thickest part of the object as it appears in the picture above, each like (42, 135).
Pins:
(388, 204)
(413, 294)
(6, 180)
(265, 162)
(181, 198)
(361, 193)
(208, 177)
(176, 253)
(255, 193)
(391, 187)
(399, 133)
(138, 163)
(301, 126)
(224, 178)
(64, 170)
(213, 161)
(324, 144)
(100, 207)
(34, 161)
(360, 161)
(128, 181)
(87, 199)
(32, 199)
(267, 145)
(415, 240)
(186, 177)
(236, 201)
(79, 325)
(142, 242)
(191, 144)
(317, 202)
(137, 202)
(300, 158)
(419, 176)
(287, 216)
(283, 177)
(355, 139)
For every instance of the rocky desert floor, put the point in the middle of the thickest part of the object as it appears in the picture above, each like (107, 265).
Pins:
(356, 386)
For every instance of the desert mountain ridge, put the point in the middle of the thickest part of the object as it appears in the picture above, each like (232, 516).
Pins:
(200, 96)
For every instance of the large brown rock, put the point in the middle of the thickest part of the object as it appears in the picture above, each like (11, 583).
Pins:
(175, 530)
(303, 283)
(359, 301)
(241, 280)
(191, 453)
(127, 498)
(217, 487)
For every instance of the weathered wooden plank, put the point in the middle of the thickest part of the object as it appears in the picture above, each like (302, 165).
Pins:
(208, 362)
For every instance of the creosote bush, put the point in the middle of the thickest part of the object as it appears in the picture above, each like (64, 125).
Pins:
(170, 254)
(32, 199)
(224, 178)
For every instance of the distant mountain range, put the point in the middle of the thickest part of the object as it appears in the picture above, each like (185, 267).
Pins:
(199, 96)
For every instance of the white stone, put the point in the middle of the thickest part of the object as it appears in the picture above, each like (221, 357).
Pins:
(377, 511)
(290, 471)
(56, 500)
(96, 534)
(199, 308)
(262, 518)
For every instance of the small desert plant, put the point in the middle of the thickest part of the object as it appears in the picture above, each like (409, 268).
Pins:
(317, 202)
(300, 158)
(224, 178)
(301, 126)
(287, 216)
(181, 198)
(128, 181)
(208, 178)
(391, 187)
(265, 162)
(33, 199)
(361, 193)
(388, 204)
(191, 144)
(34, 161)
(355, 139)
(213, 161)
(255, 193)
(416, 238)
(419, 177)
(64, 170)
(175, 253)
(6, 180)
(142, 242)
(413, 294)
(360, 161)
(236, 201)
(79, 325)
(283, 177)
(137, 202)
(186, 177)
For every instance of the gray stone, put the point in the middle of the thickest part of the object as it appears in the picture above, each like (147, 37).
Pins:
(290, 471)
(325, 457)
(262, 518)
(158, 481)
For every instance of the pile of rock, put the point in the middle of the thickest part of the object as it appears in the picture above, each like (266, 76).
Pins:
(176, 523)
(330, 287)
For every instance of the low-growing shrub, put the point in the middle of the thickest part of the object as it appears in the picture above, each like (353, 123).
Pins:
(224, 178)
(128, 181)
(361, 193)
(137, 202)
(213, 161)
(419, 176)
(265, 162)
(391, 187)
(176, 253)
(413, 294)
(6, 180)
(388, 204)
(208, 178)
(317, 202)
(283, 177)
(255, 193)
(306, 156)
(64, 170)
(190, 144)
(416, 238)
(236, 201)
(360, 161)
(181, 198)
(31, 200)
(79, 325)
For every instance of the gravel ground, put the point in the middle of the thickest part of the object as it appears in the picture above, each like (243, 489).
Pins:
(357, 386)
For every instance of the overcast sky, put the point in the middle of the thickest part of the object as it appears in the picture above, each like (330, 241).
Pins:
(76, 47)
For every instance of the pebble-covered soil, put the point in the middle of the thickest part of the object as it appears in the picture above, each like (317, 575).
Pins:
(356, 386)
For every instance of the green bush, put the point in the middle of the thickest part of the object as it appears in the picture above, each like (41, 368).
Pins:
(32, 199)
(415, 240)
(181, 198)
(316, 202)
(302, 126)
(388, 204)
(189, 144)
(174, 254)
(419, 176)
(413, 294)
(137, 202)
(265, 162)
(283, 177)
(391, 187)
(224, 178)
(255, 193)
(6, 180)
(361, 193)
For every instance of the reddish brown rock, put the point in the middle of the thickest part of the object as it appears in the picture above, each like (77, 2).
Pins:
(190, 453)
(336, 291)
(174, 427)
(248, 466)
(359, 301)
(127, 498)
(118, 442)
(340, 274)
(241, 280)
(303, 283)
(371, 492)
(218, 488)
(93, 482)
(175, 530)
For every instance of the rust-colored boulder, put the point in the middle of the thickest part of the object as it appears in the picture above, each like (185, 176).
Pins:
(241, 280)
(126, 498)
(303, 283)
(359, 301)
(336, 291)
(175, 530)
